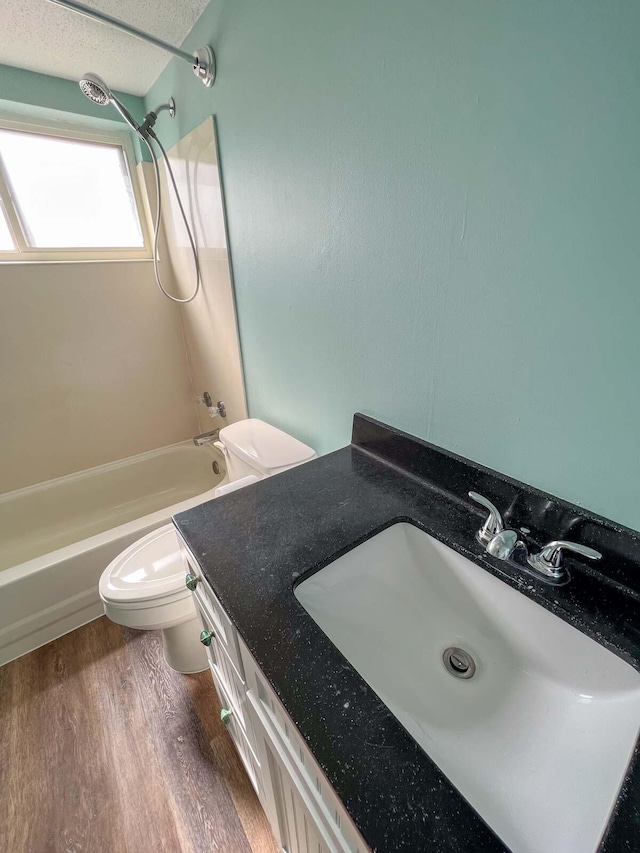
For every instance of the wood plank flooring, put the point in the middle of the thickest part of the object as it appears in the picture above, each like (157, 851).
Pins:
(104, 748)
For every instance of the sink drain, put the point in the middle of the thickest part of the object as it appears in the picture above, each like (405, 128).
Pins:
(458, 662)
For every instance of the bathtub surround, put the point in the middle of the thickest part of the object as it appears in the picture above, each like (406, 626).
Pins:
(93, 369)
(102, 367)
(433, 212)
(304, 519)
(94, 363)
(209, 322)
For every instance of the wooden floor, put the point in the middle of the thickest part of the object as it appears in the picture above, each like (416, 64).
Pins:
(104, 748)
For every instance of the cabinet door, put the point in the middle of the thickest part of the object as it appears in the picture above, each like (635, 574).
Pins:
(299, 830)
(295, 816)
(285, 739)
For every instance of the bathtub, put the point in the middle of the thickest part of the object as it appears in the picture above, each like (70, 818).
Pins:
(57, 537)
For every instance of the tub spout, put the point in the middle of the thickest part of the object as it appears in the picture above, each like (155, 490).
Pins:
(199, 440)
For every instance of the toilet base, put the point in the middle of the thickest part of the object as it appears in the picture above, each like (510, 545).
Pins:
(183, 650)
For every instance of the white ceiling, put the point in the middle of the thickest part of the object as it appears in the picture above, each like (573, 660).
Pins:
(42, 36)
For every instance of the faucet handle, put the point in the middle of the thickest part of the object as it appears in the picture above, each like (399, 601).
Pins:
(549, 560)
(494, 523)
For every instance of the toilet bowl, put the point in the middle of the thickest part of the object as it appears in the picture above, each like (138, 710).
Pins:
(144, 587)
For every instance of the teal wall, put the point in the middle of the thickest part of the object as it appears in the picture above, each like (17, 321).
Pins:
(41, 96)
(434, 214)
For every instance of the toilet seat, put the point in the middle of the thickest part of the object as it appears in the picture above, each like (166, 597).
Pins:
(144, 588)
(148, 573)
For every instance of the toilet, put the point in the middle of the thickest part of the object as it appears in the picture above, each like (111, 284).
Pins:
(144, 586)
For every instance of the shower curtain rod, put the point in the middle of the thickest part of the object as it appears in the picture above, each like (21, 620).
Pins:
(202, 60)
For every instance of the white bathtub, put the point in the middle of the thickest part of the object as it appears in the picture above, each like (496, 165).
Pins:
(57, 537)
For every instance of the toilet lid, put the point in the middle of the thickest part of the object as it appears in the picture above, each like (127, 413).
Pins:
(150, 568)
(264, 447)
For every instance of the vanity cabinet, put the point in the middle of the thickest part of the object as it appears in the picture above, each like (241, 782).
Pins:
(304, 811)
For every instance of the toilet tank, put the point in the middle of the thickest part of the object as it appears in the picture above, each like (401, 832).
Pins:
(255, 447)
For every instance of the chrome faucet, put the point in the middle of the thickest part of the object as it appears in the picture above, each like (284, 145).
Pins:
(549, 561)
(204, 437)
(498, 542)
(494, 523)
(506, 545)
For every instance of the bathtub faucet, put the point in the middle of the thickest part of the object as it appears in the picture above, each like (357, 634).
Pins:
(217, 411)
(199, 440)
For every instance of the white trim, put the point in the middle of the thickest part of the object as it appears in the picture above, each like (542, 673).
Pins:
(29, 254)
(4, 215)
(11, 217)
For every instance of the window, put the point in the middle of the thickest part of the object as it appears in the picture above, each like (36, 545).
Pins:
(66, 198)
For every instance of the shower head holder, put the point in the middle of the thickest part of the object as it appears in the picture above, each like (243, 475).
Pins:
(204, 65)
(152, 116)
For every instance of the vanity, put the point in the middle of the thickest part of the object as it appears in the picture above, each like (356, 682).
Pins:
(393, 679)
(304, 811)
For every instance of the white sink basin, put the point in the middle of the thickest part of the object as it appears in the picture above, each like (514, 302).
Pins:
(539, 739)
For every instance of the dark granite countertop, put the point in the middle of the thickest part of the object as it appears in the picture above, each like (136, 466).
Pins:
(255, 544)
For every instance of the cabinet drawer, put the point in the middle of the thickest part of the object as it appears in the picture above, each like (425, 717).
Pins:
(206, 598)
(222, 668)
(239, 738)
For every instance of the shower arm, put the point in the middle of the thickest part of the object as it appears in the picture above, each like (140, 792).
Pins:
(202, 61)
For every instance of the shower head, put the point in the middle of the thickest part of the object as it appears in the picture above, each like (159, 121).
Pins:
(97, 91)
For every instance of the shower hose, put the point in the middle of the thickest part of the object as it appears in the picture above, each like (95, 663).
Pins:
(156, 236)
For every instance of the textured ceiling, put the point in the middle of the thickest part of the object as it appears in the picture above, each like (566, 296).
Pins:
(44, 37)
